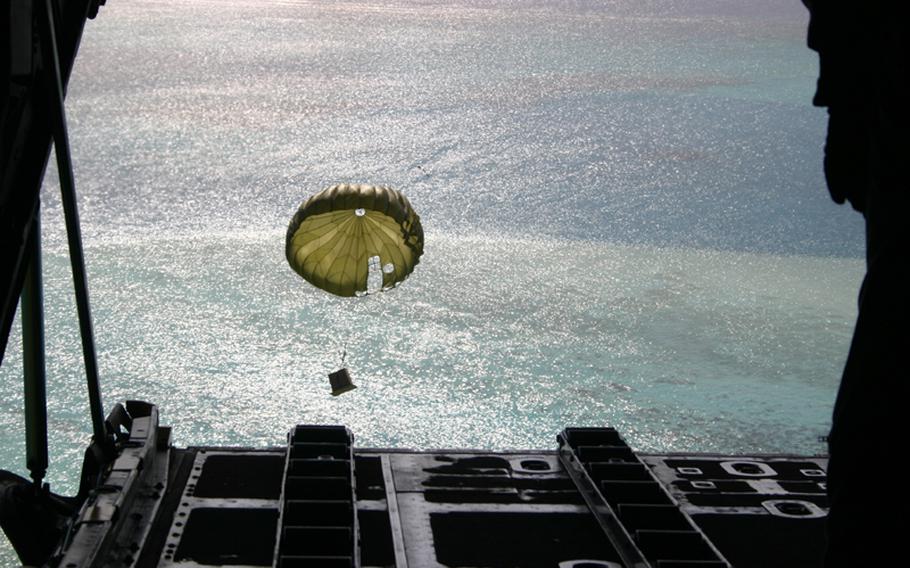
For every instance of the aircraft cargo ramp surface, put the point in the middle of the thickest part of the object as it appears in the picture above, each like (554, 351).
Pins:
(590, 503)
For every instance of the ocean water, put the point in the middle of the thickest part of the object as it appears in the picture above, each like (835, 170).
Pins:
(626, 225)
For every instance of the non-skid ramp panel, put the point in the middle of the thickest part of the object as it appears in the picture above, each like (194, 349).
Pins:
(227, 510)
(758, 511)
(473, 509)
(635, 512)
(318, 517)
(381, 537)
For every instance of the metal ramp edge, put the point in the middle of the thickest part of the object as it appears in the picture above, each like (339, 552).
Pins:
(317, 521)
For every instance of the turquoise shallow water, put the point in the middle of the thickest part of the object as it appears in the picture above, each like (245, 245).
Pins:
(626, 225)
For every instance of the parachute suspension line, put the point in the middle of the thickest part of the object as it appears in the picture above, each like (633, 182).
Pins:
(344, 353)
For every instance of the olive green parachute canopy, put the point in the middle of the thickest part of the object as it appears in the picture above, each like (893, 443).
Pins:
(346, 236)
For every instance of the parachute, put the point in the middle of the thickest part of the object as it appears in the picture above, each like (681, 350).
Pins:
(352, 240)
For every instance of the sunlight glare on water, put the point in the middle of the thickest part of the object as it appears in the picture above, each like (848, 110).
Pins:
(492, 343)
(626, 225)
